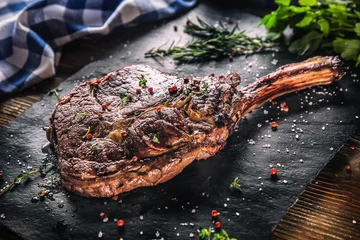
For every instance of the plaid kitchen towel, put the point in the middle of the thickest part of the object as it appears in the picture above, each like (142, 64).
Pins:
(33, 31)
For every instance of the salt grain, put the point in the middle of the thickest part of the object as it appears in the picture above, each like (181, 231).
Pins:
(100, 234)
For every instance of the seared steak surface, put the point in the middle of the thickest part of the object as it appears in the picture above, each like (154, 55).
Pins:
(140, 127)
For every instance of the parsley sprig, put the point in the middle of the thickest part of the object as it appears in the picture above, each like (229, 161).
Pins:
(123, 98)
(318, 24)
(205, 234)
(143, 81)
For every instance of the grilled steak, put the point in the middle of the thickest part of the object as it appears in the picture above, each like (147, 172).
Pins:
(139, 127)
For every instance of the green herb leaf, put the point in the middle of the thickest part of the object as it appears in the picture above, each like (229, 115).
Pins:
(187, 91)
(324, 26)
(122, 95)
(283, 2)
(155, 139)
(349, 48)
(143, 81)
(357, 28)
(94, 147)
(235, 184)
(269, 21)
(82, 115)
(308, 2)
(307, 44)
(205, 85)
(305, 21)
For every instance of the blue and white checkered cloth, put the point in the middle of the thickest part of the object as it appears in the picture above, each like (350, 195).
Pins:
(32, 32)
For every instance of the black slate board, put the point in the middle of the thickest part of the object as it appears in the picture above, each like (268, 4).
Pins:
(204, 185)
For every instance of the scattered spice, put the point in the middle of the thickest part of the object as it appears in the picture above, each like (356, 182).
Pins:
(172, 89)
(104, 106)
(158, 108)
(138, 90)
(1, 176)
(352, 147)
(230, 58)
(151, 90)
(186, 80)
(115, 198)
(143, 81)
(155, 139)
(212, 75)
(273, 171)
(175, 28)
(89, 136)
(347, 167)
(120, 223)
(214, 213)
(283, 104)
(286, 109)
(273, 125)
(135, 158)
(124, 134)
(235, 184)
(42, 194)
(230, 21)
(218, 225)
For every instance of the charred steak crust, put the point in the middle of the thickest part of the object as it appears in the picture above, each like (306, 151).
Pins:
(139, 127)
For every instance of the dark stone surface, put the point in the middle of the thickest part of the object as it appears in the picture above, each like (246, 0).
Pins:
(204, 185)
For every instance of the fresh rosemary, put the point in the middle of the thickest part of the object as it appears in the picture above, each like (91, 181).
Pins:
(43, 170)
(235, 184)
(213, 42)
(56, 92)
(82, 115)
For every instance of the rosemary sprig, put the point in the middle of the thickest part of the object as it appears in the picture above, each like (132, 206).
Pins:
(235, 184)
(56, 92)
(19, 178)
(213, 42)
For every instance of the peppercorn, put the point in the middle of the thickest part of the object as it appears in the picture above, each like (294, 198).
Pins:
(89, 136)
(175, 28)
(214, 213)
(120, 223)
(186, 80)
(217, 225)
(104, 106)
(138, 90)
(273, 171)
(151, 90)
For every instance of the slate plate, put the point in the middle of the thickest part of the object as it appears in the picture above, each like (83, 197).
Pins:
(323, 118)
